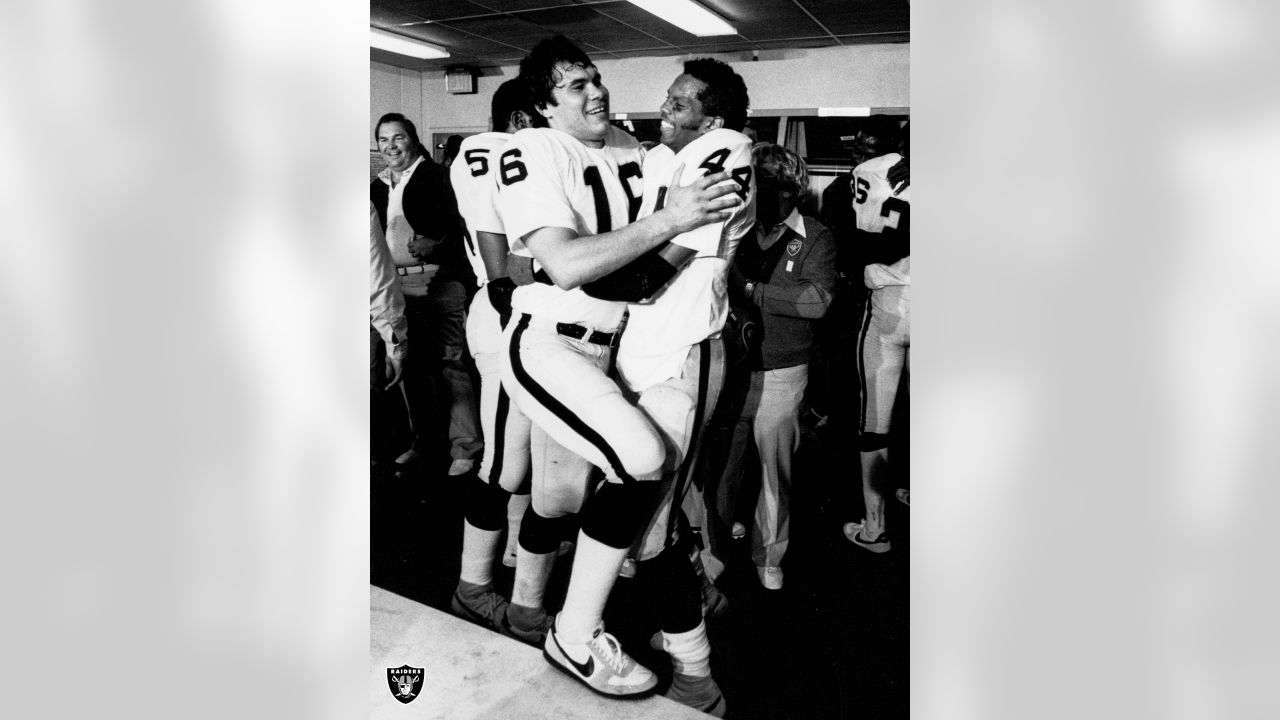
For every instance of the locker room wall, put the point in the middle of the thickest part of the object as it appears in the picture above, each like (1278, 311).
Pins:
(858, 76)
(393, 89)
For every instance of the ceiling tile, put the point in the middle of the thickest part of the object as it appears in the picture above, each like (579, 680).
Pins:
(766, 20)
(586, 26)
(647, 22)
(616, 28)
(517, 5)
(887, 37)
(816, 42)
(594, 32)
(847, 17)
(501, 30)
(390, 18)
(432, 9)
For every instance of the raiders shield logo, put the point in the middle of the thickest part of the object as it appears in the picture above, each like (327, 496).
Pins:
(405, 682)
(793, 247)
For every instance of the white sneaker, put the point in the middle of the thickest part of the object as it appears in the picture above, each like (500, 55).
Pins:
(509, 558)
(854, 533)
(461, 467)
(770, 577)
(607, 670)
(738, 531)
(409, 457)
(628, 569)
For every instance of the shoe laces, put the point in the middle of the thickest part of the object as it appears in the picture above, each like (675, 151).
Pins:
(610, 651)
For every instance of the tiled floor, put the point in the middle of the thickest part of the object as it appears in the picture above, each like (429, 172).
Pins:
(833, 643)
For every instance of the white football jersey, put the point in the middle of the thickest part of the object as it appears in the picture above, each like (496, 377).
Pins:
(878, 210)
(693, 306)
(472, 175)
(547, 178)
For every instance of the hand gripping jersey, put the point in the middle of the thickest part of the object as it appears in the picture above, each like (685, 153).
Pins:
(695, 304)
(878, 210)
(548, 178)
(473, 176)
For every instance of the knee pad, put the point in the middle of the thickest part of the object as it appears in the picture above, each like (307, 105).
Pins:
(672, 582)
(486, 505)
(613, 516)
(868, 442)
(539, 535)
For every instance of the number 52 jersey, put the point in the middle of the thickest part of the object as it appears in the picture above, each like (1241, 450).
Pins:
(547, 178)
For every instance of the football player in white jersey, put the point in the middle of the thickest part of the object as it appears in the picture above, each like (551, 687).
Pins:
(883, 215)
(568, 195)
(502, 480)
(671, 355)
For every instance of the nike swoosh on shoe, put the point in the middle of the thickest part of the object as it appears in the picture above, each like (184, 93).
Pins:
(584, 668)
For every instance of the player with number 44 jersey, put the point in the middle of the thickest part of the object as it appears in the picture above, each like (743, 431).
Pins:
(672, 357)
(695, 304)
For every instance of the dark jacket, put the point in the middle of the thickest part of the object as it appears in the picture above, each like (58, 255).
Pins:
(795, 280)
(432, 210)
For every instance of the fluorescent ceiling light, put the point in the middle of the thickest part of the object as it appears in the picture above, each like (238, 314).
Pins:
(688, 16)
(402, 45)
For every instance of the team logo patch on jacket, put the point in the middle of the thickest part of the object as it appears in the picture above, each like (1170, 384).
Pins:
(793, 247)
(405, 682)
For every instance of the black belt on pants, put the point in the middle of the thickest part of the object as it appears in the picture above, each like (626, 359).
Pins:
(578, 332)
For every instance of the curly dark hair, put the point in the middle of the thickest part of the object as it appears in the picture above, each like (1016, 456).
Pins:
(512, 95)
(538, 68)
(725, 95)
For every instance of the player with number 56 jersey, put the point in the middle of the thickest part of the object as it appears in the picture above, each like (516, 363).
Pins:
(498, 495)
(472, 176)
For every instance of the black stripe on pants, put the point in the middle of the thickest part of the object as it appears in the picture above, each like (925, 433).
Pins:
(549, 401)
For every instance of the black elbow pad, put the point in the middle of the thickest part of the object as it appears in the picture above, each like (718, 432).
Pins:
(633, 282)
(500, 292)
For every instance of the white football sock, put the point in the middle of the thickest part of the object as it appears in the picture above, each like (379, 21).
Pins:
(532, 572)
(595, 569)
(479, 548)
(690, 651)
